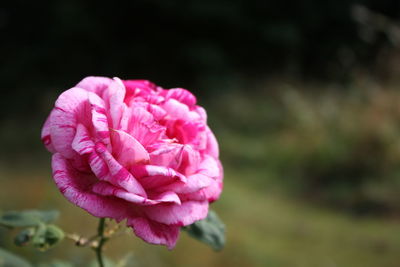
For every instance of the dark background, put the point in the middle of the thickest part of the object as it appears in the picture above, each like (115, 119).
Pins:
(51, 44)
(302, 96)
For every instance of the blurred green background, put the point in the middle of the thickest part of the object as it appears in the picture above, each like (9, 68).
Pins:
(303, 97)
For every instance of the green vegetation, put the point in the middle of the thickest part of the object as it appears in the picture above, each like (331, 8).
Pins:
(336, 146)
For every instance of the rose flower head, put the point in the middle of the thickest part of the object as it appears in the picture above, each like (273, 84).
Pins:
(128, 149)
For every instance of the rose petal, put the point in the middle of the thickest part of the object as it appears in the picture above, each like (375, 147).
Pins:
(141, 171)
(99, 118)
(167, 154)
(75, 186)
(211, 192)
(127, 150)
(95, 84)
(82, 142)
(202, 113)
(157, 112)
(107, 189)
(194, 183)
(132, 85)
(190, 132)
(116, 95)
(165, 197)
(212, 144)
(143, 126)
(190, 160)
(181, 215)
(210, 167)
(180, 94)
(153, 232)
(176, 110)
(45, 135)
(106, 168)
(68, 112)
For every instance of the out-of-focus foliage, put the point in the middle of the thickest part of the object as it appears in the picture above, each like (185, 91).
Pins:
(341, 147)
(10, 260)
(27, 218)
(36, 230)
(210, 231)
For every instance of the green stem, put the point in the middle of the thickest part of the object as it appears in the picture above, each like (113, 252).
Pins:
(102, 240)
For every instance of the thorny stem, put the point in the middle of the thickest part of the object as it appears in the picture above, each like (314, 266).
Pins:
(102, 239)
(82, 241)
(97, 241)
(92, 241)
(112, 231)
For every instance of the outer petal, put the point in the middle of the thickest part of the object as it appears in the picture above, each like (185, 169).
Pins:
(153, 232)
(132, 85)
(201, 112)
(45, 135)
(193, 184)
(172, 214)
(95, 84)
(180, 94)
(138, 88)
(210, 166)
(76, 187)
(212, 144)
(211, 192)
(176, 109)
(70, 109)
(116, 95)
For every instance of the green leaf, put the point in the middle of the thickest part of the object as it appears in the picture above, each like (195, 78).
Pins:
(210, 231)
(11, 260)
(53, 235)
(39, 239)
(27, 218)
(24, 237)
(47, 236)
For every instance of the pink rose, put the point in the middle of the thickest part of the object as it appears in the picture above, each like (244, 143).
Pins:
(132, 150)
